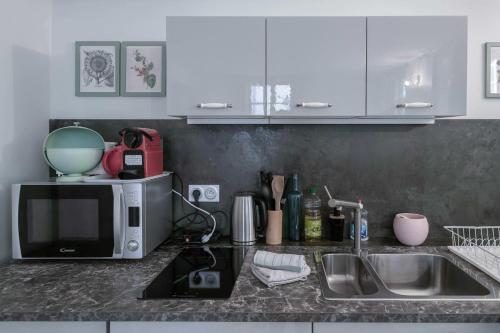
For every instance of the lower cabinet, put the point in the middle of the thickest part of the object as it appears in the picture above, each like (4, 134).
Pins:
(405, 327)
(209, 327)
(241, 327)
(52, 327)
(246, 327)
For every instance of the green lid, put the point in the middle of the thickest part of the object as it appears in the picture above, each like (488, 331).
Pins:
(312, 190)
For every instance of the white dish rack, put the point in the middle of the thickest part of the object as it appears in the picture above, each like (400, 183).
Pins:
(478, 245)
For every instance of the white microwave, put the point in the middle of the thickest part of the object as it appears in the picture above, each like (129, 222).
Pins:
(101, 219)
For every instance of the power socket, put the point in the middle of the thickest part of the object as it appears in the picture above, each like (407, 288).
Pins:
(209, 193)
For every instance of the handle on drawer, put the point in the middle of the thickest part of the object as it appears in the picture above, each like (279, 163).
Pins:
(214, 106)
(416, 105)
(314, 105)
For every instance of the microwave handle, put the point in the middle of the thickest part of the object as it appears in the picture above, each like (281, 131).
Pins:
(118, 218)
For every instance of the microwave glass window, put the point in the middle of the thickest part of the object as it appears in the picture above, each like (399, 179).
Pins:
(39, 215)
(62, 219)
(78, 219)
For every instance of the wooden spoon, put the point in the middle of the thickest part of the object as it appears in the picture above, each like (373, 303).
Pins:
(278, 184)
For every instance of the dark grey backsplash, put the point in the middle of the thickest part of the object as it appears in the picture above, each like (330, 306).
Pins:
(449, 171)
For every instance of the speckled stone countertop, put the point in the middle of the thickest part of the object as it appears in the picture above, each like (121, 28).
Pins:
(107, 291)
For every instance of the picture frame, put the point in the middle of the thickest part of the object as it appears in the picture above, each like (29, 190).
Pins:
(143, 69)
(492, 83)
(97, 68)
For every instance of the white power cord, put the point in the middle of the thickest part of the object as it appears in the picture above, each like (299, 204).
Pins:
(206, 268)
(204, 238)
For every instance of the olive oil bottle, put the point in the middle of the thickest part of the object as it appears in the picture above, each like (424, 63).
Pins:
(312, 219)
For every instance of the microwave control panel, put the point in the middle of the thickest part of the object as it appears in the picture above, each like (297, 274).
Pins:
(133, 221)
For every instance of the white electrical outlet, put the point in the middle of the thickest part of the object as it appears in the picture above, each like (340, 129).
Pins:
(209, 193)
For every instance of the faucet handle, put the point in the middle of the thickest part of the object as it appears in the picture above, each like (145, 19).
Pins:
(328, 193)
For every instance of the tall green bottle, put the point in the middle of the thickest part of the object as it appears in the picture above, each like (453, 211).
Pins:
(294, 201)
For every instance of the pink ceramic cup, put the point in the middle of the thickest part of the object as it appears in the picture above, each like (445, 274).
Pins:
(411, 229)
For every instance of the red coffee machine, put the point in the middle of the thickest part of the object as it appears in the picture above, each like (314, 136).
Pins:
(138, 155)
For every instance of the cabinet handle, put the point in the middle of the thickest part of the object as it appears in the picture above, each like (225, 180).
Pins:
(214, 106)
(314, 105)
(416, 105)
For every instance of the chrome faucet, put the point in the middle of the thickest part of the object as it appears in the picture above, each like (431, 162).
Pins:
(358, 206)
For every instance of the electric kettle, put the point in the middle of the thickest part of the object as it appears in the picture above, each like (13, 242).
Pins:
(248, 218)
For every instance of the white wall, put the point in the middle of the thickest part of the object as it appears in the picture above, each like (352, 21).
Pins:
(32, 83)
(24, 98)
(145, 20)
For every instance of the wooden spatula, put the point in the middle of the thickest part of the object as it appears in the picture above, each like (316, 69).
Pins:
(278, 184)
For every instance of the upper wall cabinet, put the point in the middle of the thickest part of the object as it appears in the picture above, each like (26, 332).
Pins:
(316, 66)
(417, 66)
(316, 69)
(216, 67)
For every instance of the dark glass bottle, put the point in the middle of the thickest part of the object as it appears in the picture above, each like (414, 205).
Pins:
(285, 225)
(294, 202)
(335, 225)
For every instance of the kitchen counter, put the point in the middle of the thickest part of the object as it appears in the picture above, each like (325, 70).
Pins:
(91, 290)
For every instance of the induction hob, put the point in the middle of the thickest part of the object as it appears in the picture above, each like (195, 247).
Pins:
(202, 273)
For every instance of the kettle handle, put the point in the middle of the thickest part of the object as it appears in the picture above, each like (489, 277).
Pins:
(260, 216)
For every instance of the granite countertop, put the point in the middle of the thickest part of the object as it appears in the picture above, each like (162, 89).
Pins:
(103, 290)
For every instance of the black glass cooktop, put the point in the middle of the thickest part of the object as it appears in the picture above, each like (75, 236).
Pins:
(206, 272)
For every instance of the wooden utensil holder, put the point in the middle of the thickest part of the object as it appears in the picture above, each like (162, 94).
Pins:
(274, 227)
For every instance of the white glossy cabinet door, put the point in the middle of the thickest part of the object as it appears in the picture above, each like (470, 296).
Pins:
(417, 66)
(209, 327)
(405, 327)
(52, 327)
(216, 66)
(316, 66)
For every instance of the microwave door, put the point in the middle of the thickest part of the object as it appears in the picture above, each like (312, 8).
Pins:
(61, 221)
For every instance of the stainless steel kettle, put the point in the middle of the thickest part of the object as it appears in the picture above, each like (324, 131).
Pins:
(247, 218)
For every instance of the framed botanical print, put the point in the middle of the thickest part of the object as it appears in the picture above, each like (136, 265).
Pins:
(97, 68)
(493, 70)
(143, 68)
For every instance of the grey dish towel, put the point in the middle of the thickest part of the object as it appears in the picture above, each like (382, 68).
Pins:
(274, 277)
(282, 261)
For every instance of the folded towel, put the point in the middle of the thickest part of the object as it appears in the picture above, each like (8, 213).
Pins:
(273, 277)
(288, 262)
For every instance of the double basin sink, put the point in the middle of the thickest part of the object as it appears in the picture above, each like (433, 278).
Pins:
(395, 276)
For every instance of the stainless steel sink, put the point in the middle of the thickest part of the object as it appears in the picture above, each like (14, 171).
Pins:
(395, 276)
(347, 275)
(421, 274)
